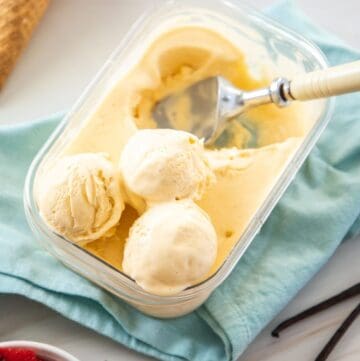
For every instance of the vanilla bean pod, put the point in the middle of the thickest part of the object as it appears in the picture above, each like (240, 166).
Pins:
(323, 355)
(342, 296)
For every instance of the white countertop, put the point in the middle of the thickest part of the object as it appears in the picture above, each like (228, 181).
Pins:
(72, 42)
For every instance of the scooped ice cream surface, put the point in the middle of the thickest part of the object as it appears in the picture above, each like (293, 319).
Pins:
(170, 247)
(79, 196)
(244, 177)
(165, 165)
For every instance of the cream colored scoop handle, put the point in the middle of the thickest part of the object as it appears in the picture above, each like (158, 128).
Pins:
(324, 83)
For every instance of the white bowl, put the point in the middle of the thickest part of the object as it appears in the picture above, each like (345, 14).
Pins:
(43, 350)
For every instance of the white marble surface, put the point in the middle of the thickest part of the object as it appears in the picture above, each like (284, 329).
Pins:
(70, 45)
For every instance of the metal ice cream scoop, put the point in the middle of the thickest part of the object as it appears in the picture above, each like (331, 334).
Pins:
(204, 108)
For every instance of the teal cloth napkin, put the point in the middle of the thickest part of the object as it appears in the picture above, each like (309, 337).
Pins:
(313, 217)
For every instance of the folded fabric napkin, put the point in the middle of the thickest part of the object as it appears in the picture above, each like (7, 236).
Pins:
(303, 231)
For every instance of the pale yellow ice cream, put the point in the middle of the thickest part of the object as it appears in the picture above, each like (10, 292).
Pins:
(243, 180)
(243, 177)
(170, 247)
(164, 165)
(79, 197)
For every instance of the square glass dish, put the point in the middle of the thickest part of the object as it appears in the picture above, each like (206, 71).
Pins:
(263, 42)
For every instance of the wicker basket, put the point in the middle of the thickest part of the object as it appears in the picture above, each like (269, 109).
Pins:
(18, 19)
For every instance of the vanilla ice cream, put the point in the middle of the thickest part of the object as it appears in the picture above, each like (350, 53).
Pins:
(79, 196)
(171, 244)
(170, 247)
(165, 165)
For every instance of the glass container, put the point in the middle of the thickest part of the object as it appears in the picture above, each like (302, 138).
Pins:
(285, 52)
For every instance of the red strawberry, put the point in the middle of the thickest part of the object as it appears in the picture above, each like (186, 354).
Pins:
(17, 354)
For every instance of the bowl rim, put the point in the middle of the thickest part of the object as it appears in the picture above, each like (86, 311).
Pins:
(50, 352)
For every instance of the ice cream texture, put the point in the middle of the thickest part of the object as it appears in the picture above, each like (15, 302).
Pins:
(80, 197)
(164, 165)
(244, 173)
(170, 247)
